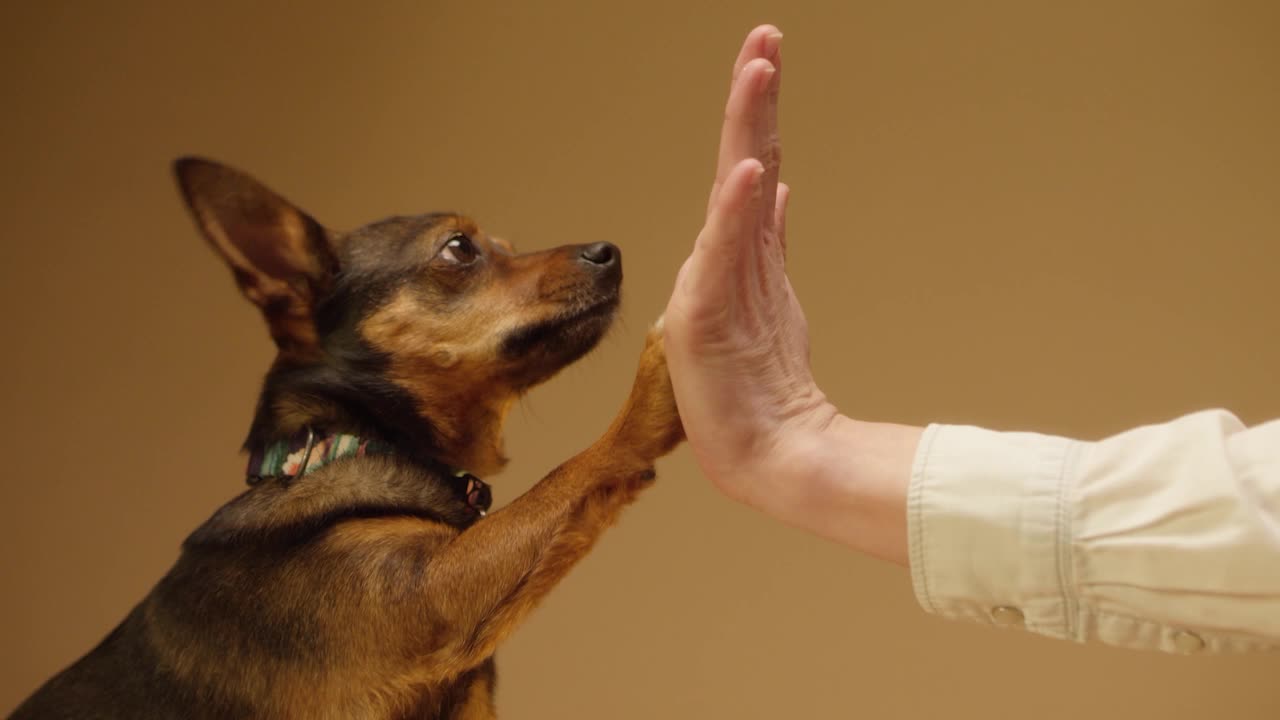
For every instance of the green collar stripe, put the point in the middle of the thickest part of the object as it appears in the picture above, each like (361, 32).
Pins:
(284, 458)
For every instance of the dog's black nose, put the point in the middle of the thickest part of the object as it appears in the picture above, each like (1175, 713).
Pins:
(602, 253)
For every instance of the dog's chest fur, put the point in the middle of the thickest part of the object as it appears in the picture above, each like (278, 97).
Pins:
(265, 612)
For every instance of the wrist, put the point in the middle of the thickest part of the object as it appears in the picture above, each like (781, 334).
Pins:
(846, 480)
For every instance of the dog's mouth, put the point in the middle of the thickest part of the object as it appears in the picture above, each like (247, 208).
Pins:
(540, 349)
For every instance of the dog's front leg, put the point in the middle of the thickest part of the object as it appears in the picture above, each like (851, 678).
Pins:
(487, 579)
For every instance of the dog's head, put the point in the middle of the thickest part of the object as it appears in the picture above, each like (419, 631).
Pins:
(423, 328)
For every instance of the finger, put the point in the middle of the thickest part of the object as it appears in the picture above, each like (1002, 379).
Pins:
(780, 217)
(744, 118)
(768, 137)
(771, 261)
(762, 41)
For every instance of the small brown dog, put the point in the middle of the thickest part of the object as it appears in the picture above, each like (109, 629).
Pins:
(356, 577)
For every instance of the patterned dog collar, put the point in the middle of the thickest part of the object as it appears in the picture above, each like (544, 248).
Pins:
(308, 451)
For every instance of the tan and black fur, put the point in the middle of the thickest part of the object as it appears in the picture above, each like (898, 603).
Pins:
(367, 588)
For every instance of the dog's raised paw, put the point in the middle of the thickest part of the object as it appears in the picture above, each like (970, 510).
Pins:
(652, 422)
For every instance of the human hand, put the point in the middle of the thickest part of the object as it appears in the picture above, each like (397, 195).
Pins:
(737, 338)
(738, 350)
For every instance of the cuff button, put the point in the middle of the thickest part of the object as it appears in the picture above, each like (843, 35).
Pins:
(1187, 642)
(1006, 616)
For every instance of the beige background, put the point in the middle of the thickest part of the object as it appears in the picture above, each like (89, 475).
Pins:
(1049, 216)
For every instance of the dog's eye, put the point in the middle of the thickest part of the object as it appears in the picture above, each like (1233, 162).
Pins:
(460, 250)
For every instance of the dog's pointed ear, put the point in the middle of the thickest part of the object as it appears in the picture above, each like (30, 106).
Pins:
(281, 258)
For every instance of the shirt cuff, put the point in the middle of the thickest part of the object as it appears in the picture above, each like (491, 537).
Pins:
(988, 527)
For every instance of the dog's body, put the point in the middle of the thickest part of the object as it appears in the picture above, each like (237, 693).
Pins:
(366, 585)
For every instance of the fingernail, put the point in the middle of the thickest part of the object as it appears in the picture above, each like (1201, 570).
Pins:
(772, 43)
(769, 71)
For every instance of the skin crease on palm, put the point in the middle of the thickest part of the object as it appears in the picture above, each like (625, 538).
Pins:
(737, 346)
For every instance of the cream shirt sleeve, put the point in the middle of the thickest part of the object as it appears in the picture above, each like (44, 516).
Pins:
(1166, 537)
